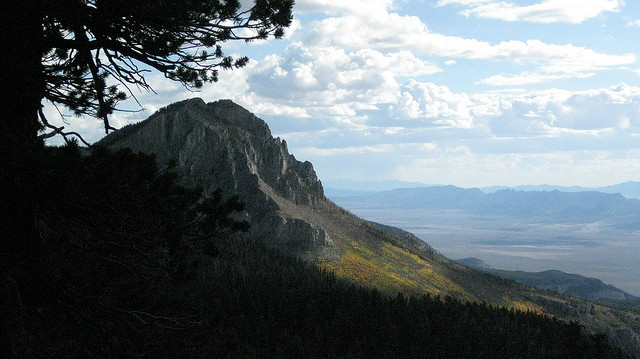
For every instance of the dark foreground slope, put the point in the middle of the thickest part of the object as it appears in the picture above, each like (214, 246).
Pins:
(221, 145)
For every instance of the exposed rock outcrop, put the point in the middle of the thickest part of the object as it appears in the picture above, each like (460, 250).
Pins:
(222, 145)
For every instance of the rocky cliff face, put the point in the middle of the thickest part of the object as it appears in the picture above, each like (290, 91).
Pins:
(222, 145)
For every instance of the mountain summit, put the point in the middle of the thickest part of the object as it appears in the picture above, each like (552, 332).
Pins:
(197, 135)
(222, 145)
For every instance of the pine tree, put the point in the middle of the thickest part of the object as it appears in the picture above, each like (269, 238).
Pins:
(66, 51)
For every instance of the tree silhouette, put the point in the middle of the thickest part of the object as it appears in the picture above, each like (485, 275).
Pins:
(87, 54)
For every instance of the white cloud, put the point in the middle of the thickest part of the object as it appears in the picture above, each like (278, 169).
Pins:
(330, 81)
(557, 63)
(602, 112)
(465, 168)
(548, 11)
(530, 78)
(388, 33)
(394, 33)
(265, 108)
(295, 26)
(401, 63)
(314, 151)
(614, 107)
(335, 7)
(434, 103)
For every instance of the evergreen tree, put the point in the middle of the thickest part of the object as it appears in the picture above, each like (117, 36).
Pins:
(65, 52)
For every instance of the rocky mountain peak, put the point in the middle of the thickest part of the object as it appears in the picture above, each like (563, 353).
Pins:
(222, 145)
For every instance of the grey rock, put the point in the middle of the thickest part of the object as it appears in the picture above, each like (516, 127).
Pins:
(222, 145)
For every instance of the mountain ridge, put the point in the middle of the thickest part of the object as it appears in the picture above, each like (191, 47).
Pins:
(628, 189)
(554, 204)
(343, 187)
(556, 280)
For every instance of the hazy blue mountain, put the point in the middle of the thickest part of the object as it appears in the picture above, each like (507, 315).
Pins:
(543, 187)
(626, 189)
(554, 205)
(438, 197)
(565, 283)
(337, 192)
(369, 186)
(343, 187)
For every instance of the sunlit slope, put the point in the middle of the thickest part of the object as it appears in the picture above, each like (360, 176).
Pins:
(395, 261)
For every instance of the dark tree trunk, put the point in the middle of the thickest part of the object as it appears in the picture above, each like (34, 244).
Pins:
(22, 90)
(22, 78)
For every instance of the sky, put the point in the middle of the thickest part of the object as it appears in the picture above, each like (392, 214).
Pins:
(471, 93)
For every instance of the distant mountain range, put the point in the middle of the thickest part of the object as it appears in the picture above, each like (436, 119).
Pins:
(354, 187)
(555, 280)
(552, 205)
(351, 188)
(627, 189)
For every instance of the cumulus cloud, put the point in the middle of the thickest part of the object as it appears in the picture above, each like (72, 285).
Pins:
(335, 7)
(528, 78)
(375, 149)
(357, 79)
(614, 107)
(328, 81)
(549, 11)
(542, 113)
(560, 112)
(434, 103)
(394, 33)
